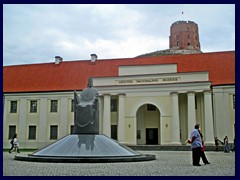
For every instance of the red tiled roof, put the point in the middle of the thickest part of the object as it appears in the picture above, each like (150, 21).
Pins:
(73, 75)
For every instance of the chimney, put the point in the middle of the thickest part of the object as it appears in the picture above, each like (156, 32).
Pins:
(93, 57)
(58, 59)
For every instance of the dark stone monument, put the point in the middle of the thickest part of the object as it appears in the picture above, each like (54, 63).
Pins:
(86, 144)
(86, 113)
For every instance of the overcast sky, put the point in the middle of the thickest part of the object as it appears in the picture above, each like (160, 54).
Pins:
(38, 33)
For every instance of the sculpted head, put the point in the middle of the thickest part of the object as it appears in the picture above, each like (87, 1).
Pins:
(90, 82)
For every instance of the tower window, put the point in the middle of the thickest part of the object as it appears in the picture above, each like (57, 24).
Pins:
(188, 44)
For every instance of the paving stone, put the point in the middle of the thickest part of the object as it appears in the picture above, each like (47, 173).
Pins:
(167, 163)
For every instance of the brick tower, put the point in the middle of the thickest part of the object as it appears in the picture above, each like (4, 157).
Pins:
(184, 36)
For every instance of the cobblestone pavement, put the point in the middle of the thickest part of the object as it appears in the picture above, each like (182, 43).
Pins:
(167, 163)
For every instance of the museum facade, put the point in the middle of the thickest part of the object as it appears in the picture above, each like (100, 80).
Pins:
(145, 100)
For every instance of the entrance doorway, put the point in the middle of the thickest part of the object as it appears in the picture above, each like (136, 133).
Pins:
(148, 125)
(151, 136)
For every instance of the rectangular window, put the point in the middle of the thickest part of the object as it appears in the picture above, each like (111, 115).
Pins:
(54, 105)
(114, 132)
(72, 129)
(72, 106)
(114, 105)
(32, 132)
(138, 134)
(33, 106)
(233, 101)
(13, 107)
(151, 107)
(195, 102)
(11, 132)
(53, 132)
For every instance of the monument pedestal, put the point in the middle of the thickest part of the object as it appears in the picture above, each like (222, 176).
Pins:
(86, 148)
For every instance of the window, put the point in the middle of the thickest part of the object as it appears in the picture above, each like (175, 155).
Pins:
(233, 101)
(32, 132)
(151, 107)
(72, 129)
(72, 106)
(114, 105)
(54, 105)
(33, 106)
(138, 134)
(53, 132)
(13, 107)
(114, 132)
(11, 132)
(196, 102)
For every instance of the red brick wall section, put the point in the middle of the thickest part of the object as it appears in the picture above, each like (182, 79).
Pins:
(184, 35)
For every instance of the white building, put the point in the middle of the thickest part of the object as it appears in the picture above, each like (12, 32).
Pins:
(150, 100)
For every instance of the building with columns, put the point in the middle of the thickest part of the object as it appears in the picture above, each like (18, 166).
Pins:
(150, 99)
(147, 100)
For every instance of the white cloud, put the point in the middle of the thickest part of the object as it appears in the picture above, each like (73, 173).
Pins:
(36, 33)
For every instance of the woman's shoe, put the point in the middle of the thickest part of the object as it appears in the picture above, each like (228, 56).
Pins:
(207, 163)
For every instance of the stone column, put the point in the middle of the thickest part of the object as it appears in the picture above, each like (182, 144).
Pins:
(121, 119)
(106, 115)
(191, 111)
(208, 118)
(42, 131)
(23, 127)
(175, 119)
(63, 125)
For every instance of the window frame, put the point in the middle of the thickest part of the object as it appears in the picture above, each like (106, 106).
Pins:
(234, 102)
(11, 132)
(13, 107)
(32, 135)
(33, 108)
(53, 132)
(53, 106)
(114, 105)
(72, 105)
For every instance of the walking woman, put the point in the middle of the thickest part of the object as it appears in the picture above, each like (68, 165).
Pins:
(15, 145)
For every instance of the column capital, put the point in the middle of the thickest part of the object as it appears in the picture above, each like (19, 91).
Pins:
(106, 94)
(207, 91)
(174, 93)
(190, 92)
(121, 94)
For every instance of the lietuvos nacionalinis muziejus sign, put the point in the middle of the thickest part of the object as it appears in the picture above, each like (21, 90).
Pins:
(148, 81)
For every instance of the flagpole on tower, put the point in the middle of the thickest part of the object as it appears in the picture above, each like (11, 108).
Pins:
(183, 15)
